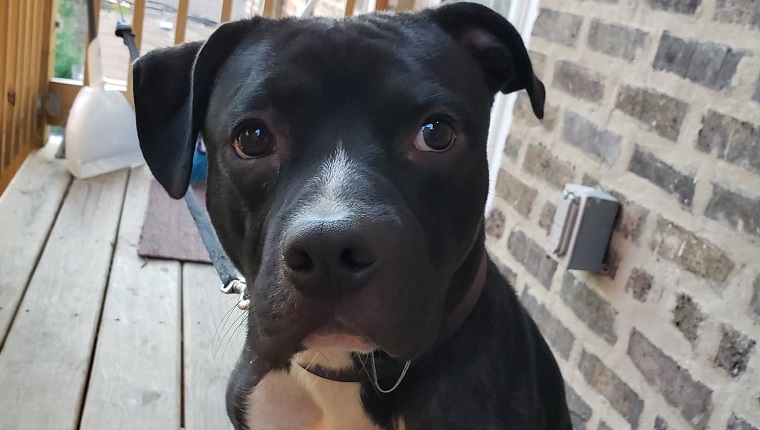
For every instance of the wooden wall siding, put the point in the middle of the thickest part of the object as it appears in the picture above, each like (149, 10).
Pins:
(25, 28)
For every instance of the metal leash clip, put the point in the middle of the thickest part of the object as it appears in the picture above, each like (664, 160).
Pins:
(236, 286)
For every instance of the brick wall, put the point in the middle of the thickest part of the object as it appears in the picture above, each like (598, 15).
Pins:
(657, 102)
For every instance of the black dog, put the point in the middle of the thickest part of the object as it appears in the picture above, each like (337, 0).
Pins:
(347, 179)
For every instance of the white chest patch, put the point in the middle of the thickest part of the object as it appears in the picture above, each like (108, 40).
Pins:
(299, 400)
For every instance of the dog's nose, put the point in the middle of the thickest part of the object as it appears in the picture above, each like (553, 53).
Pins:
(331, 257)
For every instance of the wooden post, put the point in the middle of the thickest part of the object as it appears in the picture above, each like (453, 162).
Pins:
(138, 19)
(269, 8)
(87, 45)
(226, 11)
(14, 93)
(381, 4)
(350, 5)
(4, 53)
(34, 89)
(181, 22)
(24, 90)
(47, 60)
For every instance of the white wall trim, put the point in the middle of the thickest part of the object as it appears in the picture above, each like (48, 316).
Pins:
(522, 15)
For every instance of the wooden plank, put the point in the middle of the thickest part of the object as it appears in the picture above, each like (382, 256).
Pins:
(47, 56)
(381, 4)
(46, 357)
(28, 208)
(51, 12)
(135, 378)
(10, 81)
(8, 173)
(226, 11)
(40, 72)
(25, 87)
(208, 361)
(138, 21)
(87, 37)
(268, 8)
(34, 69)
(17, 131)
(179, 28)
(350, 4)
(4, 42)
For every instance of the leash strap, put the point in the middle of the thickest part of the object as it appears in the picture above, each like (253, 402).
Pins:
(222, 264)
(232, 281)
(124, 30)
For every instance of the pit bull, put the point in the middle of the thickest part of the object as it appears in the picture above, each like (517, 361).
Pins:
(347, 179)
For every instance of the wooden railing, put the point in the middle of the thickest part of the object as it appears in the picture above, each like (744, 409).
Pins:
(25, 32)
(32, 99)
(65, 91)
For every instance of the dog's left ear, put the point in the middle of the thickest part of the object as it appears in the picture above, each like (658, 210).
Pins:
(496, 45)
(172, 87)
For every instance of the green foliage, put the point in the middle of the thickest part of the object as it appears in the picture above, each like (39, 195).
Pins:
(69, 38)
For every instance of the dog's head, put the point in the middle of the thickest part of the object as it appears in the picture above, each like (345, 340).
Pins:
(347, 171)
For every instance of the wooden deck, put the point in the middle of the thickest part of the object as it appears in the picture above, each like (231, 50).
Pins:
(91, 335)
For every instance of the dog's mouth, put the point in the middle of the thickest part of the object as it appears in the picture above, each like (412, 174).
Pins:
(337, 335)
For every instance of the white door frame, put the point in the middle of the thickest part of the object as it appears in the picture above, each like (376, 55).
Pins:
(522, 14)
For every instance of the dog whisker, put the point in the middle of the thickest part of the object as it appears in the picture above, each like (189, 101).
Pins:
(314, 357)
(236, 332)
(369, 375)
(242, 315)
(222, 322)
(363, 363)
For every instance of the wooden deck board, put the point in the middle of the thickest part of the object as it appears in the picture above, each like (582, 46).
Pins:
(158, 362)
(207, 364)
(135, 378)
(27, 210)
(46, 356)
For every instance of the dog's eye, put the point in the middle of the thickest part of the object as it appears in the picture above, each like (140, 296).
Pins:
(435, 135)
(254, 140)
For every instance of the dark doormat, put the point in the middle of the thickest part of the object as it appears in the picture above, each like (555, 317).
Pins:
(168, 231)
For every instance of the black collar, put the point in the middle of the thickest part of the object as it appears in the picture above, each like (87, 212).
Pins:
(386, 366)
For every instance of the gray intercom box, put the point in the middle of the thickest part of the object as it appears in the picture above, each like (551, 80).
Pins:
(582, 227)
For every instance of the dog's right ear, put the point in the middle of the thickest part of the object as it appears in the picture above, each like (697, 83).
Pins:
(172, 87)
(496, 45)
